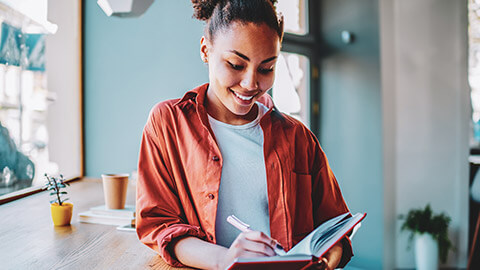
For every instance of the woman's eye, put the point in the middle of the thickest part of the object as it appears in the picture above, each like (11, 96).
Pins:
(236, 67)
(265, 70)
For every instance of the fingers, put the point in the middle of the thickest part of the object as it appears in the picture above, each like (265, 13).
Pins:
(320, 265)
(249, 254)
(248, 244)
(259, 237)
(323, 264)
(257, 247)
(255, 242)
(262, 237)
(333, 257)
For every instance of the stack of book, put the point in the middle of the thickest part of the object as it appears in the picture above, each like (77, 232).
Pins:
(102, 215)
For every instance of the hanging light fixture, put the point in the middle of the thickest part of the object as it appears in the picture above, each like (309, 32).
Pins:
(124, 8)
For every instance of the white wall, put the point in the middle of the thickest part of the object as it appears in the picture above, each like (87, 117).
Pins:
(387, 52)
(63, 78)
(426, 118)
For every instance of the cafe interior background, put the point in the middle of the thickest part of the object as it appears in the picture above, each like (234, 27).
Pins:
(389, 87)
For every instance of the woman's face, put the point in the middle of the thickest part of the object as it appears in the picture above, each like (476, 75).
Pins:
(241, 65)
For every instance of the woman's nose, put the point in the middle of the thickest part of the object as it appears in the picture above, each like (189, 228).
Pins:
(249, 81)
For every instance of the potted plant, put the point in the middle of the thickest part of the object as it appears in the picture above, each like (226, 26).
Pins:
(430, 232)
(61, 210)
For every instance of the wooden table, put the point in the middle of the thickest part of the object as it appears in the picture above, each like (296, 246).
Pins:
(28, 239)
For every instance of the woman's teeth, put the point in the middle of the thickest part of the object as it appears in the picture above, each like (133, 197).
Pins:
(242, 97)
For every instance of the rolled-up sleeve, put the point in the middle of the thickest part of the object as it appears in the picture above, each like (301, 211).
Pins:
(160, 217)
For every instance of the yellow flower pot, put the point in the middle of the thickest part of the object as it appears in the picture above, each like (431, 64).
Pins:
(61, 214)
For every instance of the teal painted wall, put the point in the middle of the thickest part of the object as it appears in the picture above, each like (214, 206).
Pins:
(351, 123)
(131, 64)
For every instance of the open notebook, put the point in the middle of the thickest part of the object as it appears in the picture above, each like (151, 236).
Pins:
(307, 251)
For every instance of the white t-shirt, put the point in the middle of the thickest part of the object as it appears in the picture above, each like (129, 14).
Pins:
(243, 184)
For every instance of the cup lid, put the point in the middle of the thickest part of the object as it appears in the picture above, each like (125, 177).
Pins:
(115, 175)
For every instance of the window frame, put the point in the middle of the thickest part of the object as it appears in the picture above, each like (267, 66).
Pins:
(309, 45)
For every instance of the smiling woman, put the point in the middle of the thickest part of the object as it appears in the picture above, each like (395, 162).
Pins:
(224, 148)
(40, 116)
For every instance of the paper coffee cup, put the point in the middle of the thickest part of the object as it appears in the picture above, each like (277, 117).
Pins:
(115, 190)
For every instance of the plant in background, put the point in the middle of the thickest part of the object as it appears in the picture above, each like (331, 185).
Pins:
(55, 185)
(420, 221)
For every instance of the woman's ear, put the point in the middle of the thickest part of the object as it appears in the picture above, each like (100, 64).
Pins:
(204, 49)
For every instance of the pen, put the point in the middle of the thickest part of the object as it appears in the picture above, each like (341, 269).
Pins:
(244, 227)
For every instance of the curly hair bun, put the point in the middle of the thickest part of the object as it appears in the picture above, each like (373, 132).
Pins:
(203, 9)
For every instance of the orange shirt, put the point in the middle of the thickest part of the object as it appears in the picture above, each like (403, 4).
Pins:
(179, 173)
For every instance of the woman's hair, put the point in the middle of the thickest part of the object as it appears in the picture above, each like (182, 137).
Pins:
(219, 14)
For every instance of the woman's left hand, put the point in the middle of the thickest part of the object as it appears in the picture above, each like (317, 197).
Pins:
(332, 258)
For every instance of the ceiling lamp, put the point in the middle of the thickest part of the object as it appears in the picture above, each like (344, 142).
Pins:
(124, 8)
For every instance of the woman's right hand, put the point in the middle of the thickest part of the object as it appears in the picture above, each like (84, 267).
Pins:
(247, 245)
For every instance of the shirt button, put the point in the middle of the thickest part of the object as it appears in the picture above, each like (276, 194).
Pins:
(215, 158)
(211, 196)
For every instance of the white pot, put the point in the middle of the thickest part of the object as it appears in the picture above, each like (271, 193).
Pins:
(426, 252)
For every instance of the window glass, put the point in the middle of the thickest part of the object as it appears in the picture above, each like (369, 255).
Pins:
(291, 89)
(39, 120)
(295, 15)
(23, 109)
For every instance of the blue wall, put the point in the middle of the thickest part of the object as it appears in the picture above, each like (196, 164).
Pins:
(351, 122)
(131, 64)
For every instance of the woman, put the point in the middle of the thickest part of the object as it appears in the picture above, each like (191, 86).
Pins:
(225, 149)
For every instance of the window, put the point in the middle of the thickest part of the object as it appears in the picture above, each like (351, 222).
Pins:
(290, 89)
(295, 13)
(37, 104)
(296, 74)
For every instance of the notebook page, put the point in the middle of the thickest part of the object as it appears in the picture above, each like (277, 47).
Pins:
(304, 246)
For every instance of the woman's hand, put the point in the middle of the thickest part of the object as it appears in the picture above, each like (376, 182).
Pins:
(247, 245)
(332, 258)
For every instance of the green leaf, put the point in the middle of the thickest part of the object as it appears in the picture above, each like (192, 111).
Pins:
(63, 192)
(418, 221)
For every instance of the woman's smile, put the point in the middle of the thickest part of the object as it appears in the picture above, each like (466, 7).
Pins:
(243, 99)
